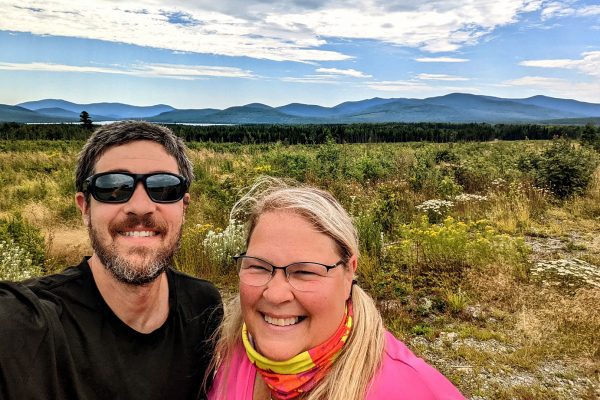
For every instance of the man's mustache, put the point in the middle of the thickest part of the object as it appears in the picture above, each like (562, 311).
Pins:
(133, 221)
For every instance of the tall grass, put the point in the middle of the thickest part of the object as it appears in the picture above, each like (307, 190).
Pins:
(426, 266)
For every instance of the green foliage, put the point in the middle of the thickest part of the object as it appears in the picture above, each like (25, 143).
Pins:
(292, 164)
(329, 159)
(457, 301)
(422, 330)
(565, 169)
(220, 246)
(591, 136)
(446, 155)
(15, 230)
(16, 263)
(439, 255)
(86, 121)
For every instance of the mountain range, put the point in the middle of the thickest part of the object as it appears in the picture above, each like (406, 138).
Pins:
(455, 107)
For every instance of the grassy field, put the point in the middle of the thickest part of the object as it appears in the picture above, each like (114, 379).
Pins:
(483, 257)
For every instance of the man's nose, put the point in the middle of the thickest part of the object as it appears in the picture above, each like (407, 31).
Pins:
(140, 203)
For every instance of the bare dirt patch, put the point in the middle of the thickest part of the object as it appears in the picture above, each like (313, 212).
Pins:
(69, 244)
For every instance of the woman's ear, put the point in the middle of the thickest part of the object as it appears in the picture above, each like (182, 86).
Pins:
(352, 267)
(353, 263)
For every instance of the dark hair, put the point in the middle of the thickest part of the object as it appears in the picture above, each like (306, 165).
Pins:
(119, 133)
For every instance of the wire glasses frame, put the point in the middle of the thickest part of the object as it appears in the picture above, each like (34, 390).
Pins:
(302, 276)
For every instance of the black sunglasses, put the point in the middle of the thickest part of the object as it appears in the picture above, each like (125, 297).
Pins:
(118, 187)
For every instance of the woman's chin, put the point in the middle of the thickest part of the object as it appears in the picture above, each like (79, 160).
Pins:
(279, 350)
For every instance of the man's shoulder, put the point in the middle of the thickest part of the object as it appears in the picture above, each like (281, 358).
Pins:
(196, 291)
(34, 287)
(192, 282)
(55, 282)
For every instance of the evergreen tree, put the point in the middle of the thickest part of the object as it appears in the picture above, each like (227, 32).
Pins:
(85, 120)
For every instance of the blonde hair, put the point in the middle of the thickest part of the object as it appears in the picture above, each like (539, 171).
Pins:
(350, 376)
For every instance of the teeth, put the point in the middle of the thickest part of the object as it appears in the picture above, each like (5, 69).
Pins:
(140, 233)
(282, 321)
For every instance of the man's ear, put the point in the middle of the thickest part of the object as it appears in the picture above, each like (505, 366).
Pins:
(186, 201)
(84, 207)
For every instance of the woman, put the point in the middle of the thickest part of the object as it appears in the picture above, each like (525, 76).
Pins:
(301, 327)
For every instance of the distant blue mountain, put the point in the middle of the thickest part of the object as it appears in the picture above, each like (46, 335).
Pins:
(306, 110)
(254, 113)
(105, 111)
(454, 107)
(20, 114)
(186, 116)
(574, 106)
(66, 115)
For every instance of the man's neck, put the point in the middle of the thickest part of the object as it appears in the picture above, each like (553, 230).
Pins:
(143, 308)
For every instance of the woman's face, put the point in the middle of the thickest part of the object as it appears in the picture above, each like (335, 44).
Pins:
(282, 238)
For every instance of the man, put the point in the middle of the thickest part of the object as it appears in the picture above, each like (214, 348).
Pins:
(123, 324)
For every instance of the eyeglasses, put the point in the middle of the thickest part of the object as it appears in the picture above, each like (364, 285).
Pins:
(303, 276)
(118, 187)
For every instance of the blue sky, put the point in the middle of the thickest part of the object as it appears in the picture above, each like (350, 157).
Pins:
(205, 53)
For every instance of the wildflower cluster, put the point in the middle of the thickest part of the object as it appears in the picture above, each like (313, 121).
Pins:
(498, 183)
(456, 244)
(435, 206)
(15, 263)
(467, 197)
(435, 209)
(220, 247)
(573, 273)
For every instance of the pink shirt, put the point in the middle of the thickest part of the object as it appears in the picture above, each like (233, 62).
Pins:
(403, 376)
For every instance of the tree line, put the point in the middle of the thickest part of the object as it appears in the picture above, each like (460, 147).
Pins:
(316, 134)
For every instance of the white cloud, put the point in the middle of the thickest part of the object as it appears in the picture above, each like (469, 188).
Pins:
(441, 77)
(401, 86)
(589, 64)
(589, 11)
(557, 9)
(345, 72)
(416, 88)
(313, 79)
(567, 9)
(290, 30)
(584, 91)
(141, 70)
(441, 59)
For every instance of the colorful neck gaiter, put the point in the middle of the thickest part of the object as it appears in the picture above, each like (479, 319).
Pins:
(289, 379)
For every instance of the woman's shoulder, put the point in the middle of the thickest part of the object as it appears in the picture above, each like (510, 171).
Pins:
(408, 376)
(235, 382)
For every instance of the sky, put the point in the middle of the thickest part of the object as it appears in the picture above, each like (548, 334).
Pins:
(217, 54)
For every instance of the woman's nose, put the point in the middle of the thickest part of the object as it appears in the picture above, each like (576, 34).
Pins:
(278, 289)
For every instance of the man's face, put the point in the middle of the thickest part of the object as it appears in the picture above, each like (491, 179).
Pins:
(135, 240)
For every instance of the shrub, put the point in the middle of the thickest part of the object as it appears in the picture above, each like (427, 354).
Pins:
(440, 254)
(435, 210)
(562, 168)
(220, 246)
(447, 156)
(18, 231)
(16, 263)
(294, 165)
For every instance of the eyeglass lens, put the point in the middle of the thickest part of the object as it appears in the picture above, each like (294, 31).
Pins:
(115, 188)
(304, 276)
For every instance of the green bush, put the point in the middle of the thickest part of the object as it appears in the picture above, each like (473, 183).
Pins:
(16, 263)
(17, 231)
(437, 255)
(563, 168)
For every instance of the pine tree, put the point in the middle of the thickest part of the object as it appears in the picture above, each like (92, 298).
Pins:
(85, 120)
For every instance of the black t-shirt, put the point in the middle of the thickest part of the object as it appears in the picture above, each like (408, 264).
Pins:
(60, 340)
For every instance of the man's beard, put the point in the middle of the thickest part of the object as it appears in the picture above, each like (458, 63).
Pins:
(152, 263)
